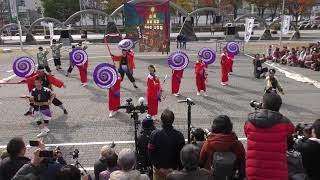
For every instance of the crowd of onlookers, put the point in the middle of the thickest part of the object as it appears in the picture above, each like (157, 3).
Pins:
(275, 150)
(305, 57)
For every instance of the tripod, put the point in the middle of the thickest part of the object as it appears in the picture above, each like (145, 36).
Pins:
(78, 165)
(190, 103)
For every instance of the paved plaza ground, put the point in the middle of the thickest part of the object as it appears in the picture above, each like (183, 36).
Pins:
(88, 121)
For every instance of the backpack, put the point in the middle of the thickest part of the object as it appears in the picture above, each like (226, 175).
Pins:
(295, 166)
(224, 164)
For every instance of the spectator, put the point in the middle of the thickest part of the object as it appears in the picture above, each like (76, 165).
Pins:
(276, 55)
(301, 56)
(179, 38)
(267, 131)
(142, 142)
(258, 71)
(69, 172)
(112, 160)
(184, 41)
(189, 156)
(269, 53)
(101, 164)
(10, 165)
(198, 138)
(127, 162)
(295, 166)
(310, 149)
(164, 147)
(272, 83)
(222, 139)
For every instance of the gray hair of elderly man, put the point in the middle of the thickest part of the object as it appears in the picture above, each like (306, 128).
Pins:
(126, 159)
(189, 156)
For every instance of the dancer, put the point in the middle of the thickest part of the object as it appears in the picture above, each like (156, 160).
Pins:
(42, 59)
(114, 98)
(126, 65)
(259, 72)
(272, 83)
(176, 81)
(41, 97)
(201, 76)
(226, 66)
(154, 92)
(47, 82)
(56, 54)
(71, 65)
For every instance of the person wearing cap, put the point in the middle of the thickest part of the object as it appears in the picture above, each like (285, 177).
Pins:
(201, 76)
(272, 83)
(127, 163)
(126, 65)
(142, 142)
(226, 66)
(154, 92)
(42, 59)
(114, 97)
(56, 54)
(176, 78)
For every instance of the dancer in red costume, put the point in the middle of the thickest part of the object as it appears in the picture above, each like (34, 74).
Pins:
(176, 81)
(226, 66)
(83, 70)
(114, 98)
(201, 76)
(154, 92)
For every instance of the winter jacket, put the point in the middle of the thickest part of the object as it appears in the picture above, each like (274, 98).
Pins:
(267, 132)
(99, 166)
(128, 175)
(199, 174)
(310, 151)
(56, 50)
(10, 166)
(42, 58)
(220, 143)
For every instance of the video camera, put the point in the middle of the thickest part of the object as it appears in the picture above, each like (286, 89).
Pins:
(256, 105)
(131, 108)
(75, 154)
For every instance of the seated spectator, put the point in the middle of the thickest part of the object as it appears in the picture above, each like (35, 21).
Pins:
(284, 51)
(69, 172)
(258, 70)
(198, 138)
(101, 164)
(222, 139)
(189, 156)
(276, 55)
(301, 56)
(310, 149)
(112, 160)
(127, 162)
(283, 59)
(315, 66)
(269, 53)
(292, 59)
(164, 147)
(311, 59)
(267, 131)
(9, 166)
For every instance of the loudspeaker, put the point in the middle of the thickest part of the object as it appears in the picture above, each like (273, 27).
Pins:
(64, 34)
(231, 30)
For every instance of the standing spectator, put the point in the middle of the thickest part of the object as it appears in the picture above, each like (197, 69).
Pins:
(222, 139)
(310, 151)
(112, 160)
(56, 54)
(198, 137)
(9, 166)
(127, 162)
(267, 131)
(43, 60)
(184, 41)
(164, 147)
(189, 156)
(179, 41)
(101, 164)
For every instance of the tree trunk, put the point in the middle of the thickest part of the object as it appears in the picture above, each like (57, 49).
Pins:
(235, 13)
(262, 12)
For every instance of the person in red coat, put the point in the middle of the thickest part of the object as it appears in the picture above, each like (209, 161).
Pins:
(267, 131)
(83, 70)
(126, 65)
(201, 76)
(47, 81)
(226, 66)
(154, 92)
(114, 98)
(176, 81)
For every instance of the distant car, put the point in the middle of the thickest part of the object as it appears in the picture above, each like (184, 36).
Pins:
(303, 23)
(228, 25)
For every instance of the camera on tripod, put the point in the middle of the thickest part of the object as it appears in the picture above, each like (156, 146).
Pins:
(75, 154)
(256, 105)
(131, 108)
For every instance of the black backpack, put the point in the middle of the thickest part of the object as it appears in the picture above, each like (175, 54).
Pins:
(295, 166)
(224, 164)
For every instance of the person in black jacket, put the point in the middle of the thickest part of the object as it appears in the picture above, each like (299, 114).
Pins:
(101, 164)
(310, 151)
(259, 71)
(9, 166)
(164, 147)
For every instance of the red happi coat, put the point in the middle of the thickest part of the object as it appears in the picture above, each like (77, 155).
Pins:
(201, 76)
(130, 57)
(114, 96)
(83, 70)
(52, 80)
(176, 80)
(226, 67)
(154, 92)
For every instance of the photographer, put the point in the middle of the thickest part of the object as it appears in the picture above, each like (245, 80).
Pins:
(267, 131)
(258, 71)
(142, 142)
(309, 147)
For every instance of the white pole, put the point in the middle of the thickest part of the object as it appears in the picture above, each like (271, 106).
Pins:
(20, 34)
(282, 19)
